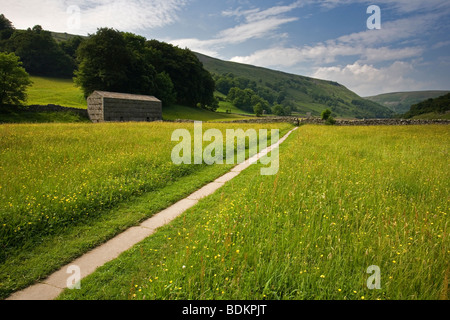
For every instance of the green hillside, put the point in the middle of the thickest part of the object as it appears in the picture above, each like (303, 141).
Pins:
(306, 94)
(437, 106)
(401, 102)
(63, 92)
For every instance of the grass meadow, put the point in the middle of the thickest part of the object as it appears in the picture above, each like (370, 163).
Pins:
(66, 188)
(61, 92)
(345, 198)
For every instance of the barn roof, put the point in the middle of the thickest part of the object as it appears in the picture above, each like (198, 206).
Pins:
(126, 96)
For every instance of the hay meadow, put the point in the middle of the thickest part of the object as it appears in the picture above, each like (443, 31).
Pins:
(345, 199)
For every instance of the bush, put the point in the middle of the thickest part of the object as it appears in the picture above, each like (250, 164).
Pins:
(326, 114)
(330, 121)
(258, 110)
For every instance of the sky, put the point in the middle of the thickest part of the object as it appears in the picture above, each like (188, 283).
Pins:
(327, 39)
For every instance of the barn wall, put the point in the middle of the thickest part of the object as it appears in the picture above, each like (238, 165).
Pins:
(131, 110)
(95, 108)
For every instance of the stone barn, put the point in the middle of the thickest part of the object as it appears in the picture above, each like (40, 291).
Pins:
(122, 107)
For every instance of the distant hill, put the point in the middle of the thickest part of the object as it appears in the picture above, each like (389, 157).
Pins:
(307, 94)
(401, 102)
(438, 106)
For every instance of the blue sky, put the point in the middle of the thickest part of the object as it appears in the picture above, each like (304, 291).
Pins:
(326, 39)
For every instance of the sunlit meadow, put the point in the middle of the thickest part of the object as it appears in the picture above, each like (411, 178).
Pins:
(56, 179)
(345, 198)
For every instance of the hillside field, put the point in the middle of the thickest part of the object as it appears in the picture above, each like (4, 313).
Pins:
(61, 92)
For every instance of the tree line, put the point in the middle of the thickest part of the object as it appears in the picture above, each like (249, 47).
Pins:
(439, 105)
(111, 60)
(249, 96)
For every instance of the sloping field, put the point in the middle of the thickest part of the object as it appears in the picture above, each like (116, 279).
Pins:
(61, 92)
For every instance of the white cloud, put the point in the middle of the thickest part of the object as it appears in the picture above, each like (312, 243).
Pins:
(367, 80)
(325, 54)
(125, 15)
(257, 24)
(258, 14)
(403, 6)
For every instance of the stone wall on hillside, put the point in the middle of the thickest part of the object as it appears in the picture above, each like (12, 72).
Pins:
(53, 108)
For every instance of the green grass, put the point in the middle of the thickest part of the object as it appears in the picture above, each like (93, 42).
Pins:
(345, 198)
(225, 105)
(66, 188)
(177, 112)
(61, 92)
(433, 116)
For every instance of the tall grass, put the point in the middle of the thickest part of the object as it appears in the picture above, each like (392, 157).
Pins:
(56, 175)
(55, 91)
(62, 184)
(345, 199)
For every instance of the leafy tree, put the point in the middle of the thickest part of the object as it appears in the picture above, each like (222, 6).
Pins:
(111, 60)
(192, 82)
(6, 28)
(223, 85)
(14, 80)
(71, 46)
(326, 114)
(40, 53)
(258, 109)
(278, 110)
(107, 62)
(165, 90)
(330, 121)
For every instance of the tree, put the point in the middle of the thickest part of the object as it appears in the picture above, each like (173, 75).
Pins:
(278, 110)
(165, 91)
(326, 114)
(14, 80)
(106, 62)
(192, 82)
(6, 28)
(71, 46)
(40, 53)
(258, 110)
